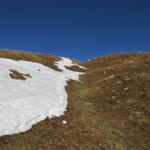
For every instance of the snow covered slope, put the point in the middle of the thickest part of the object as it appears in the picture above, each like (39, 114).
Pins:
(23, 103)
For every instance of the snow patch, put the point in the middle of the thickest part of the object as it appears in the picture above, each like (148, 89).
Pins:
(64, 122)
(25, 103)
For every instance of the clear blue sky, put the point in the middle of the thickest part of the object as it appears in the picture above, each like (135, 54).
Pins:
(75, 28)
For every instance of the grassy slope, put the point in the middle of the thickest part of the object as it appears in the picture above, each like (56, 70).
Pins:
(108, 109)
(45, 59)
(118, 87)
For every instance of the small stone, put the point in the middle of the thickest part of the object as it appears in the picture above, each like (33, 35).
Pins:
(117, 101)
(111, 77)
(138, 113)
(113, 97)
(125, 89)
(119, 82)
(127, 79)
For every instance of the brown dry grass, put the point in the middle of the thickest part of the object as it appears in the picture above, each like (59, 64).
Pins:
(118, 87)
(45, 59)
(108, 110)
(18, 75)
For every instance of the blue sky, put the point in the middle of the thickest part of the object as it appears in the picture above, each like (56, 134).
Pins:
(81, 29)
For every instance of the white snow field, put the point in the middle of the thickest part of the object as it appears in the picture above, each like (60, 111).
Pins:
(24, 103)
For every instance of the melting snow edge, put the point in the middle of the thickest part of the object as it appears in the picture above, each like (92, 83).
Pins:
(25, 103)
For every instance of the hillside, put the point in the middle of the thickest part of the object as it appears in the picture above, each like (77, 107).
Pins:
(47, 60)
(109, 109)
(118, 88)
